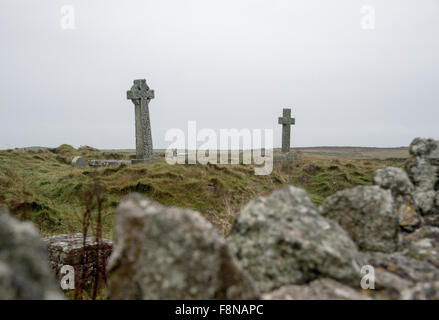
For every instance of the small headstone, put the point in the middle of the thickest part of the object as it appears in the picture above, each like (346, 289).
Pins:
(79, 161)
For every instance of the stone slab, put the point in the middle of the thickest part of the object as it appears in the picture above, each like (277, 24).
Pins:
(107, 163)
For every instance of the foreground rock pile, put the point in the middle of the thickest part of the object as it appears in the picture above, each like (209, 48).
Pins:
(283, 239)
(171, 253)
(284, 247)
(280, 247)
(289, 249)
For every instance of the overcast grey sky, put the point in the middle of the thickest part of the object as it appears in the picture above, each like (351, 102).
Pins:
(223, 63)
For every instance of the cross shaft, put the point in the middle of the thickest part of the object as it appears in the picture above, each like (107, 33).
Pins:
(286, 121)
(140, 95)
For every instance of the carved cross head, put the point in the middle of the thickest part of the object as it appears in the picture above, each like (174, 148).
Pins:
(140, 90)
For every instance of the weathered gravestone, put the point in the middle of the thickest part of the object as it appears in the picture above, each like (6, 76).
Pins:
(140, 95)
(286, 121)
(79, 161)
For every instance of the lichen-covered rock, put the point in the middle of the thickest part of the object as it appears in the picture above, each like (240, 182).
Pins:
(68, 249)
(282, 239)
(423, 244)
(425, 201)
(423, 171)
(396, 272)
(397, 181)
(367, 214)
(422, 291)
(403, 266)
(320, 289)
(408, 216)
(24, 270)
(426, 148)
(394, 179)
(171, 253)
(388, 286)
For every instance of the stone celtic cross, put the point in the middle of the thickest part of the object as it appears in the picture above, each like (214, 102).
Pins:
(140, 95)
(286, 121)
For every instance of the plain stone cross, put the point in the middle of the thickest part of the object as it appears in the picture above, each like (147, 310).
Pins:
(286, 121)
(140, 95)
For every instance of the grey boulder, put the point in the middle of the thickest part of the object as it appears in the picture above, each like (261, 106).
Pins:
(397, 181)
(422, 169)
(171, 253)
(422, 291)
(396, 272)
(394, 179)
(24, 270)
(367, 214)
(282, 239)
(423, 244)
(320, 289)
(403, 266)
(425, 148)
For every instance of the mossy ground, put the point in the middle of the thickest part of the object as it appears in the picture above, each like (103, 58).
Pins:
(41, 185)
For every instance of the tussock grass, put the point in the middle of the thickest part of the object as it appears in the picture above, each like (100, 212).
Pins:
(41, 185)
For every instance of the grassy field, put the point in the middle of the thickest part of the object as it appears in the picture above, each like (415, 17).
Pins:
(355, 152)
(39, 184)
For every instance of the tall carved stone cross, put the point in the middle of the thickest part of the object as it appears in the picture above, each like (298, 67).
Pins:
(286, 121)
(140, 95)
